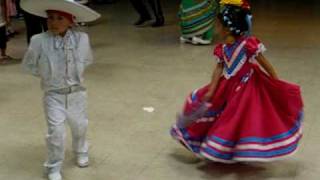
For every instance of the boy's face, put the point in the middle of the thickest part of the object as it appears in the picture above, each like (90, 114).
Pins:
(57, 23)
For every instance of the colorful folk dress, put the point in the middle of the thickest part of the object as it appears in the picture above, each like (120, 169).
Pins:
(197, 18)
(251, 117)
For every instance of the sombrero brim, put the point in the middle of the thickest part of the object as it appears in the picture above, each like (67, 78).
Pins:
(80, 12)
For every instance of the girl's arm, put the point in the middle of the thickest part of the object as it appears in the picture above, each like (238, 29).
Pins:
(266, 65)
(214, 81)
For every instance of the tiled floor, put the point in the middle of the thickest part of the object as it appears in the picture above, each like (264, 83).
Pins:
(138, 67)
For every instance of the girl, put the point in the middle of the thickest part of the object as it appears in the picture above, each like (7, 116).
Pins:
(246, 113)
(197, 20)
(59, 57)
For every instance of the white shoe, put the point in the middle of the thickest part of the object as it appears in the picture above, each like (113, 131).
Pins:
(83, 161)
(199, 41)
(54, 176)
(185, 40)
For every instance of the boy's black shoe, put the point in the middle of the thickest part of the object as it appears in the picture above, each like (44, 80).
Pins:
(141, 21)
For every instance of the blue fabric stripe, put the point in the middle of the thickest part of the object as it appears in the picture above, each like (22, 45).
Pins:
(217, 154)
(212, 113)
(261, 140)
(199, 20)
(229, 50)
(194, 95)
(259, 154)
(271, 139)
(222, 141)
(194, 148)
(235, 63)
(185, 135)
(266, 154)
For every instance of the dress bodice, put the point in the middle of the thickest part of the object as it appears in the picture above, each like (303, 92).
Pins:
(238, 55)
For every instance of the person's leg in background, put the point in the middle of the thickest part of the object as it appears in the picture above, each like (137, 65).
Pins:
(19, 10)
(33, 25)
(158, 13)
(3, 44)
(4, 19)
(142, 10)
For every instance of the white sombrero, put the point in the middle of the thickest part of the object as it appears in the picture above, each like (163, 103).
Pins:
(39, 7)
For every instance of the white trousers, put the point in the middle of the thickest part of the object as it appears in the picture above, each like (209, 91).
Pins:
(60, 109)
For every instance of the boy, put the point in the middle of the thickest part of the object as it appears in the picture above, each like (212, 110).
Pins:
(59, 57)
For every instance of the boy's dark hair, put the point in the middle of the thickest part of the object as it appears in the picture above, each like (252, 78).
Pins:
(235, 19)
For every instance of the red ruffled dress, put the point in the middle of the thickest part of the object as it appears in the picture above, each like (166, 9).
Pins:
(251, 117)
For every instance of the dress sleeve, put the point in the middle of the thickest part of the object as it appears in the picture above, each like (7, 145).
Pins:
(254, 48)
(218, 53)
(31, 57)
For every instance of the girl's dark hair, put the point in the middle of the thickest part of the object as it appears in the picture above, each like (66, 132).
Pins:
(235, 19)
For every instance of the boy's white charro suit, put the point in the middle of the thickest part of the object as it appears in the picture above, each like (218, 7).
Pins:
(60, 63)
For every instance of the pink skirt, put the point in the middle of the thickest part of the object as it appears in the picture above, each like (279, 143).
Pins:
(251, 117)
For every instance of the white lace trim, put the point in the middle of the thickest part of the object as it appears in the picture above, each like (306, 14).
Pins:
(235, 71)
(219, 60)
(261, 49)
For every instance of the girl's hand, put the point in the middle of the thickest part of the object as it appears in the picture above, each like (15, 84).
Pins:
(207, 96)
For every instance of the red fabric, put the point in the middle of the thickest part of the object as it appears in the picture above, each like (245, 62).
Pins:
(69, 16)
(252, 46)
(270, 106)
(246, 5)
(263, 107)
(218, 52)
(249, 104)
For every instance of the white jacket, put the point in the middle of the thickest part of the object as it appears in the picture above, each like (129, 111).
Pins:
(59, 61)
